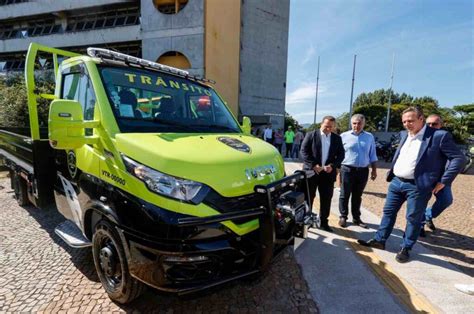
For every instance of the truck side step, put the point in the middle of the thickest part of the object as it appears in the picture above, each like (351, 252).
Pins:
(72, 235)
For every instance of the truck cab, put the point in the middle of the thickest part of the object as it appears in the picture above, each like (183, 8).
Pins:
(151, 169)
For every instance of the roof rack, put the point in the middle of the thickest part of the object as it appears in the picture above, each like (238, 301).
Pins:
(117, 56)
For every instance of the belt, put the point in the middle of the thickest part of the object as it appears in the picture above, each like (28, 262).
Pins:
(412, 181)
(355, 168)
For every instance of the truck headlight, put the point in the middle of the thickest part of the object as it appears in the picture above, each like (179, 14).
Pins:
(181, 189)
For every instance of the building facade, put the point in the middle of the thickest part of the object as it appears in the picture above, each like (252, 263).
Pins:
(240, 44)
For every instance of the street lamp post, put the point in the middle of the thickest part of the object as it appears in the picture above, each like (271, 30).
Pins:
(387, 121)
(316, 101)
(352, 91)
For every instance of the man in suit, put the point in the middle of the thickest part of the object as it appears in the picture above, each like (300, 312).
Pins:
(322, 151)
(418, 169)
(445, 197)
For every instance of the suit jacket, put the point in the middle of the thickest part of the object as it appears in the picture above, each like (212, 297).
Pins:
(437, 148)
(311, 151)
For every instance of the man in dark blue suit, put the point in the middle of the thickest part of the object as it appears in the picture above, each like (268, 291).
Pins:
(323, 152)
(418, 169)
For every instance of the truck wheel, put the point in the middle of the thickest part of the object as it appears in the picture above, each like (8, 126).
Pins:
(20, 189)
(111, 265)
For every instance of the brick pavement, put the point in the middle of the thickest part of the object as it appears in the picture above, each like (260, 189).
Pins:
(39, 272)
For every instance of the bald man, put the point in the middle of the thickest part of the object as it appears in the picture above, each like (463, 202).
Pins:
(444, 198)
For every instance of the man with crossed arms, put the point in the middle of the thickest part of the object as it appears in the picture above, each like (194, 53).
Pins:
(418, 169)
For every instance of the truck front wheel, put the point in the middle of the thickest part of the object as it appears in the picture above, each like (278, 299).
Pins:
(20, 189)
(111, 265)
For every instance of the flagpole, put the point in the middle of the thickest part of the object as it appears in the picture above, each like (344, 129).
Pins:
(389, 96)
(352, 91)
(316, 100)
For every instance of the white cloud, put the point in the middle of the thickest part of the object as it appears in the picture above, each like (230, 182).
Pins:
(302, 94)
(306, 92)
(304, 116)
(309, 54)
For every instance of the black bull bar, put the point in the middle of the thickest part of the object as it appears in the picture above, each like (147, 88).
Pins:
(271, 192)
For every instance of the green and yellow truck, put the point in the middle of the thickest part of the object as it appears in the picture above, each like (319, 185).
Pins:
(154, 173)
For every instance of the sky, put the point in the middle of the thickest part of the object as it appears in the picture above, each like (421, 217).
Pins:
(432, 41)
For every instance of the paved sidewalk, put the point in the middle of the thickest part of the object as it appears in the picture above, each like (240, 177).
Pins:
(347, 278)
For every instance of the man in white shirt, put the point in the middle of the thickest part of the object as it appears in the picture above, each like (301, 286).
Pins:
(267, 134)
(419, 169)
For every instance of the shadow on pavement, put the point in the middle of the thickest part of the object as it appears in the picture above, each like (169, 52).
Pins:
(439, 242)
(278, 290)
(442, 242)
(350, 281)
(48, 220)
(376, 194)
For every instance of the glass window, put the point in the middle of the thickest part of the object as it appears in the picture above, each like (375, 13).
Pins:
(78, 86)
(149, 101)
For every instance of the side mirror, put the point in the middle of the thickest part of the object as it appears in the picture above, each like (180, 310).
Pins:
(246, 125)
(67, 125)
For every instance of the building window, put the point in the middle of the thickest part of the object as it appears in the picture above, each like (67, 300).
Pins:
(104, 19)
(174, 59)
(37, 27)
(170, 6)
(7, 2)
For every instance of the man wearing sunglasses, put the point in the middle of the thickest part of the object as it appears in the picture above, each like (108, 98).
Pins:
(444, 198)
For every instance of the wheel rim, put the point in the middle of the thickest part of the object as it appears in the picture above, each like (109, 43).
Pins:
(109, 262)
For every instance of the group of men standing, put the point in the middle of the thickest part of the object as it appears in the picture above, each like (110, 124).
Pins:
(291, 139)
(425, 163)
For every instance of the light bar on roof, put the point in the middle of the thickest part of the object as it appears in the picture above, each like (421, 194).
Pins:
(109, 54)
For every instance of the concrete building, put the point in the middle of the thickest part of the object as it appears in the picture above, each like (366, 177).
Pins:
(240, 44)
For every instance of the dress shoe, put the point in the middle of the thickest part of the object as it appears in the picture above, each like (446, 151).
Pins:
(360, 223)
(430, 224)
(326, 228)
(343, 222)
(422, 233)
(403, 256)
(372, 243)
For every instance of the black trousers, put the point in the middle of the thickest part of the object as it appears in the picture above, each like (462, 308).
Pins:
(289, 148)
(324, 183)
(353, 182)
(278, 146)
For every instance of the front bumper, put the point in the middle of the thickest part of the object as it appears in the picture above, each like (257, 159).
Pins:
(217, 255)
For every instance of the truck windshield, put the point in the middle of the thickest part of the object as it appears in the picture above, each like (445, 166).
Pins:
(147, 101)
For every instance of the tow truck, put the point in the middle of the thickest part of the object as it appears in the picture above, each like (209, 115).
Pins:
(153, 172)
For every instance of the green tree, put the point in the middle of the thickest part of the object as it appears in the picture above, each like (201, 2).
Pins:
(465, 122)
(13, 100)
(289, 120)
(373, 104)
(375, 116)
(377, 97)
(342, 122)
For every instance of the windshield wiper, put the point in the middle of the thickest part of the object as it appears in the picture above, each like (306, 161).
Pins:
(173, 123)
(218, 126)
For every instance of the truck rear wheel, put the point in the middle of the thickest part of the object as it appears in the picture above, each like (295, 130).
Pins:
(20, 189)
(111, 265)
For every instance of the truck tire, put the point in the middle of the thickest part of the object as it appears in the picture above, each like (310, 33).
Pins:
(20, 189)
(111, 265)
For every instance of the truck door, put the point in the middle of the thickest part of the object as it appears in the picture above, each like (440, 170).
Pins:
(73, 165)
